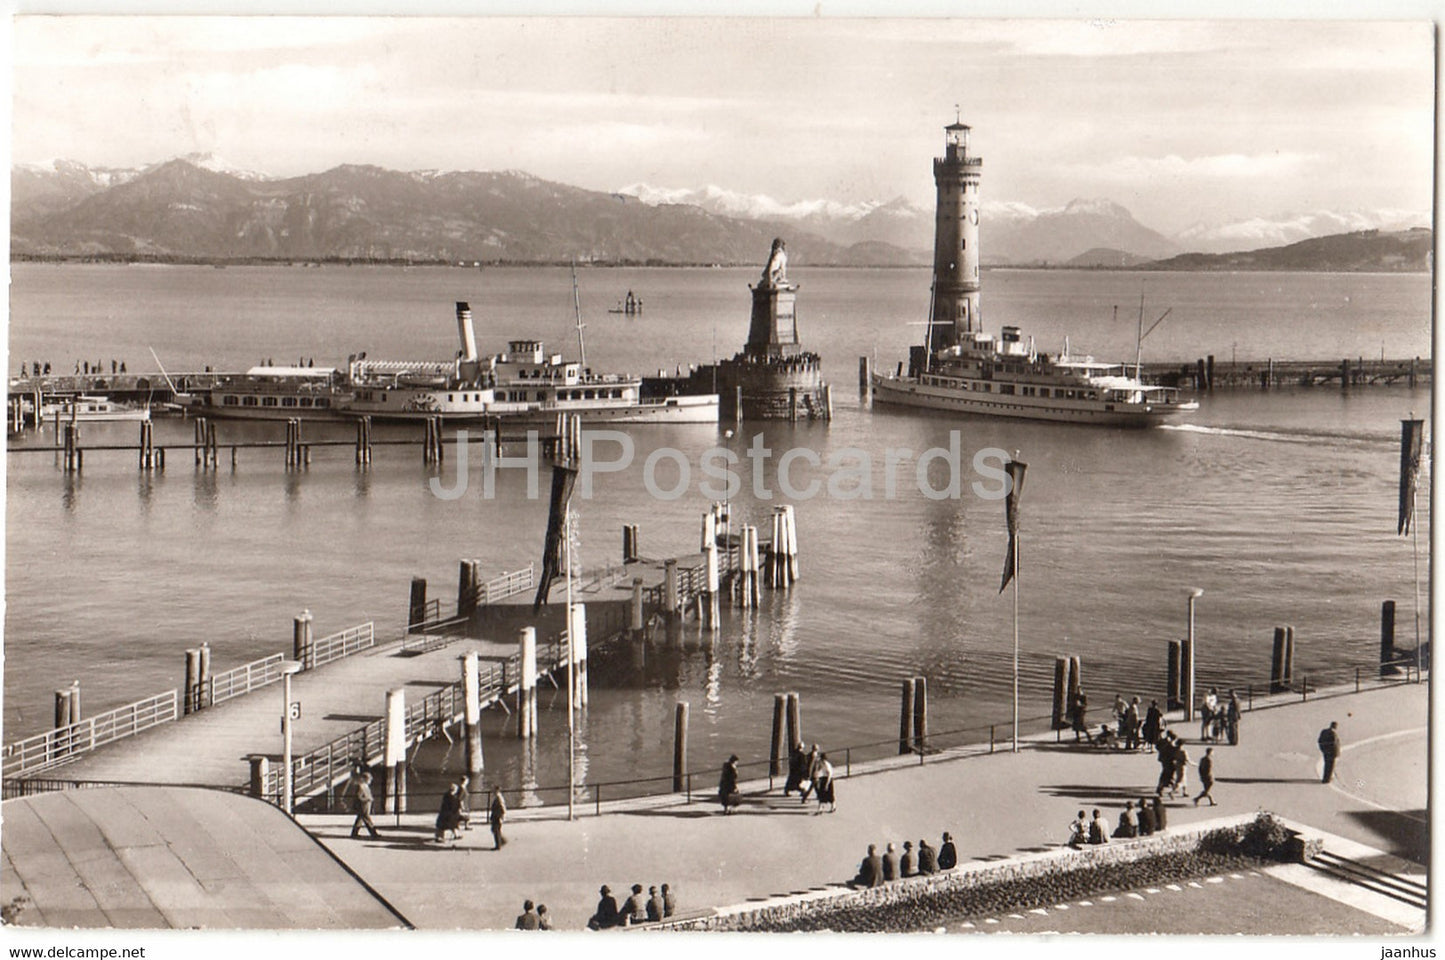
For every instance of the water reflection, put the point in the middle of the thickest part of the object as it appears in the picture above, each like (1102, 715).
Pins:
(70, 492)
(206, 492)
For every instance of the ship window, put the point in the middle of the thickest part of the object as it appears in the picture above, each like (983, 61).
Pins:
(451, 398)
(1007, 388)
(288, 401)
(988, 388)
(305, 401)
(248, 401)
(268, 401)
(228, 401)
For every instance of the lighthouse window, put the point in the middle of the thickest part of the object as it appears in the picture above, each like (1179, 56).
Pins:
(965, 244)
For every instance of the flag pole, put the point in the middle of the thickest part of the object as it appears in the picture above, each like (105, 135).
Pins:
(1016, 643)
(571, 670)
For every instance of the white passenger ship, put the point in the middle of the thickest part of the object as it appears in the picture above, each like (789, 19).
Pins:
(960, 368)
(523, 385)
(274, 393)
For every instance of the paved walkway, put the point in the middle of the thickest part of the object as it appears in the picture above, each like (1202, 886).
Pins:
(994, 806)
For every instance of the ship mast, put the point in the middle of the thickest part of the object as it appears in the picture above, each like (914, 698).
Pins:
(577, 310)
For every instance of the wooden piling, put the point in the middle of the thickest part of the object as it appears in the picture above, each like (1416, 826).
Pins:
(792, 525)
(1186, 675)
(738, 404)
(472, 715)
(394, 755)
(1289, 656)
(527, 684)
(301, 648)
(62, 709)
(828, 402)
(416, 611)
(1200, 383)
(1076, 677)
(468, 585)
(777, 750)
(1209, 372)
(713, 588)
(905, 717)
(1172, 689)
(792, 404)
(794, 719)
(634, 619)
(1387, 638)
(1061, 692)
(865, 376)
(260, 773)
(920, 713)
(578, 632)
(75, 713)
(669, 586)
(1276, 667)
(1345, 374)
(679, 748)
(193, 679)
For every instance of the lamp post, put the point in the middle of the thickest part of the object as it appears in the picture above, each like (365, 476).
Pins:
(1194, 595)
(288, 667)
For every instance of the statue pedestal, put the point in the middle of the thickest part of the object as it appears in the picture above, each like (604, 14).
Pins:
(774, 328)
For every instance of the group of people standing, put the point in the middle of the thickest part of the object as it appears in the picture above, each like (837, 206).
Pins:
(876, 869)
(658, 904)
(811, 772)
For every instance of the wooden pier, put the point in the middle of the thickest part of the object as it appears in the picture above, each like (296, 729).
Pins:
(1208, 373)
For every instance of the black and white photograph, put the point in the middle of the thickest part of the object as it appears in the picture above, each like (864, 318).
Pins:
(813, 470)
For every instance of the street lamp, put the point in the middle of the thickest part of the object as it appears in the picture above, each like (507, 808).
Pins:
(1194, 594)
(288, 667)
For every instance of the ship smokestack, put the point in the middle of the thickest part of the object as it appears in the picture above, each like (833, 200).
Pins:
(465, 331)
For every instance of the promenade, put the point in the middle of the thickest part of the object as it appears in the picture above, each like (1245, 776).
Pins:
(995, 806)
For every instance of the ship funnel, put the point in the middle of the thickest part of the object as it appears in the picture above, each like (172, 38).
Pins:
(465, 332)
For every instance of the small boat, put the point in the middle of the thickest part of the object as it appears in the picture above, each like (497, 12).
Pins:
(630, 305)
(90, 408)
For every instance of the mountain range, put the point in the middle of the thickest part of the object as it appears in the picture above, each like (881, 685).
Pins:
(199, 208)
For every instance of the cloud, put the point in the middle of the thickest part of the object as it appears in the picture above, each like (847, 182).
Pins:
(1228, 166)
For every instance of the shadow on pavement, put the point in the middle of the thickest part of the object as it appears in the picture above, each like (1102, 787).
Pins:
(1406, 833)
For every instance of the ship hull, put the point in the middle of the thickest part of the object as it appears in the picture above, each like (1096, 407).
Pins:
(696, 409)
(909, 393)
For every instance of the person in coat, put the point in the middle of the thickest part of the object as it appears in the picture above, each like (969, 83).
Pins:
(1098, 829)
(1080, 711)
(449, 815)
(1153, 723)
(890, 863)
(810, 770)
(1146, 818)
(1206, 777)
(797, 761)
(496, 813)
(361, 806)
(823, 782)
(1131, 725)
(654, 905)
(606, 915)
(905, 865)
(669, 903)
(544, 919)
(927, 858)
(1161, 815)
(634, 911)
(1181, 770)
(1127, 828)
(870, 871)
(947, 853)
(1329, 741)
(1231, 719)
(528, 918)
(727, 787)
(1079, 831)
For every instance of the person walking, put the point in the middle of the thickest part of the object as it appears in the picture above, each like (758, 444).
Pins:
(528, 918)
(1206, 777)
(496, 813)
(606, 915)
(1080, 711)
(727, 786)
(1329, 741)
(823, 781)
(1153, 724)
(796, 760)
(1164, 750)
(1181, 770)
(947, 853)
(1131, 725)
(361, 806)
(449, 816)
(1231, 719)
(810, 770)
(1207, 714)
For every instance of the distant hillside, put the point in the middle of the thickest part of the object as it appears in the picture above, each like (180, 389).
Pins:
(1105, 257)
(1368, 251)
(179, 210)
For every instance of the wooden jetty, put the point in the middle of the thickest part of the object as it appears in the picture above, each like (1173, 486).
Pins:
(1207, 373)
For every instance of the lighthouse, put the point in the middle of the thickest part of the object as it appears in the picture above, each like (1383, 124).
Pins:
(956, 175)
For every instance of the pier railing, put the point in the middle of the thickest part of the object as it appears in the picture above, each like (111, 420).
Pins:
(55, 746)
(506, 585)
(245, 678)
(343, 644)
(319, 770)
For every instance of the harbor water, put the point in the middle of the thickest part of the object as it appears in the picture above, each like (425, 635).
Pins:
(1281, 507)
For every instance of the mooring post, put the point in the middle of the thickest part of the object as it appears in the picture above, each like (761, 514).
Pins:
(75, 715)
(738, 404)
(920, 713)
(62, 708)
(1172, 686)
(634, 619)
(1186, 677)
(713, 587)
(1076, 681)
(794, 719)
(1288, 656)
(203, 681)
(1345, 374)
(260, 772)
(527, 684)
(669, 586)
(1061, 691)
(416, 614)
(1209, 372)
(468, 582)
(578, 632)
(1276, 664)
(775, 753)
(301, 649)
(394, 755)
(472, 717)
(905, 717)
(193, 679)
(792, 517)
(679, 748)
(1387, 638)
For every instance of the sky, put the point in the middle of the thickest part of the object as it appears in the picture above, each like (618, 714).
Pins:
(1182, 122)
